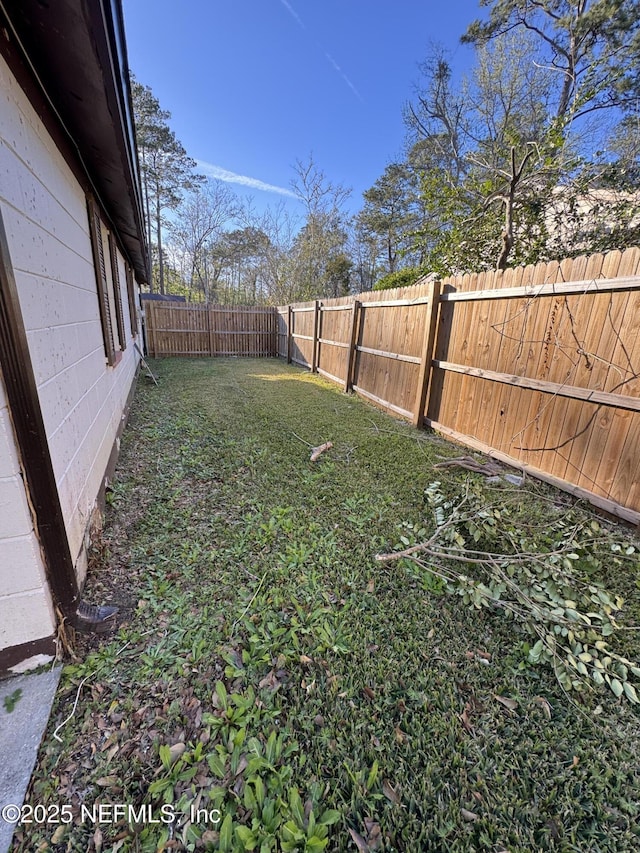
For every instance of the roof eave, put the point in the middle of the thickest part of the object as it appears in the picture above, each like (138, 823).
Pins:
(76, 51)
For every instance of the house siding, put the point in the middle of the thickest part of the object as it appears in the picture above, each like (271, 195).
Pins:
(82, 399)
(26, 613)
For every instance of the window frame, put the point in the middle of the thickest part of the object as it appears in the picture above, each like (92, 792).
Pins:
(102, 286)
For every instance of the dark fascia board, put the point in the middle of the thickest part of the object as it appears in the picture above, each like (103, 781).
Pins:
(26, 415)
(76, 51)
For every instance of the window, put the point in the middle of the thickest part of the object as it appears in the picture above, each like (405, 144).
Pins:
(117, 292)
(108, 286)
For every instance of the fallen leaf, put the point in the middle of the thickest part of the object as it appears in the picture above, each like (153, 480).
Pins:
(401, 737)
(390, 793)
(98, 839)
(371, 586)
(270, 682)
(369, 693)
(483, 655)
(467, 815)
(544, 705)
(374, 833)
(114, 749)
(510, 704)
(242, 765)
(305, 660)
(59, 834)
(575, 761)
(466, 720)
(360, 843)
(176, 751)
(319, 720)
(107, 781)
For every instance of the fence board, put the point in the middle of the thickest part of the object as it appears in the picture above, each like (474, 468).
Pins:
(184, 329)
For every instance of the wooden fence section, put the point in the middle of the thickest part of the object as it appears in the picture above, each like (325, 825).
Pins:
(184, 329)
(377, 344)
(537, 366)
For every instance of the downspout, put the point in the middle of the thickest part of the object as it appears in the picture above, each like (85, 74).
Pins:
(33, 446)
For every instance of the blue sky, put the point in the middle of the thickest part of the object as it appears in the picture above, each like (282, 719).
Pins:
(254, 85)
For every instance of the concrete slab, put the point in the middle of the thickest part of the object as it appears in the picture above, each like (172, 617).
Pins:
(21, 731)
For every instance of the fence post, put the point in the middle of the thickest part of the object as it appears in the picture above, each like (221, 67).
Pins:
(424, 375)
(355, 316)
(210, 329)
(316, 335)
(272, 337)
(289, 324)
(151, 325)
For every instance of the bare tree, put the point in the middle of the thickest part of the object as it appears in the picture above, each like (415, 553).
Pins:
(200, 219)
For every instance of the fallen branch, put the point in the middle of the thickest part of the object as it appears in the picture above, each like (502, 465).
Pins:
(318, 451)
(542, 588)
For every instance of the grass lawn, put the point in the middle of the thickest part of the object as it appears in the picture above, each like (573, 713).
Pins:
(273, 687)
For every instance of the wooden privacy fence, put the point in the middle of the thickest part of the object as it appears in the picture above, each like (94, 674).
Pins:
(378, 346)
(537, 366)
(184, 329)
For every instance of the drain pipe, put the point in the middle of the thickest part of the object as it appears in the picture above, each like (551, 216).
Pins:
(28, 424)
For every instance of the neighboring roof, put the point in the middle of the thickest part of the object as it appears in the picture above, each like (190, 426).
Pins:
(75, 50)
(162, 297)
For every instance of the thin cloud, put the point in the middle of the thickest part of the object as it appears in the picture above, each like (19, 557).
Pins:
(228, 177)
(337, 68)
(293, 13)
(328, 56)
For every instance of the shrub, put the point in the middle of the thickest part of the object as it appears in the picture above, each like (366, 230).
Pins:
(400, 278)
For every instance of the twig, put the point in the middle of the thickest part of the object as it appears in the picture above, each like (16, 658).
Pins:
(244, 612)
(423, 546)
(308, 443)
(73, 710)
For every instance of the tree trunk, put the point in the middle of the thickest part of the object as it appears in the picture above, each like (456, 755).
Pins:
(159, 236)
(509, 202)
(391, 256)
(147, 216)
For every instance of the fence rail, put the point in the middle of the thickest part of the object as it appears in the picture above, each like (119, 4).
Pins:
(537, 366)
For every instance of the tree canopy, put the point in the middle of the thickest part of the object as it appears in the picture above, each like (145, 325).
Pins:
(533, 154)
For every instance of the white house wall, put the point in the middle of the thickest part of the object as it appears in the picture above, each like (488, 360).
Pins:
(25, 604)
(82, 399)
